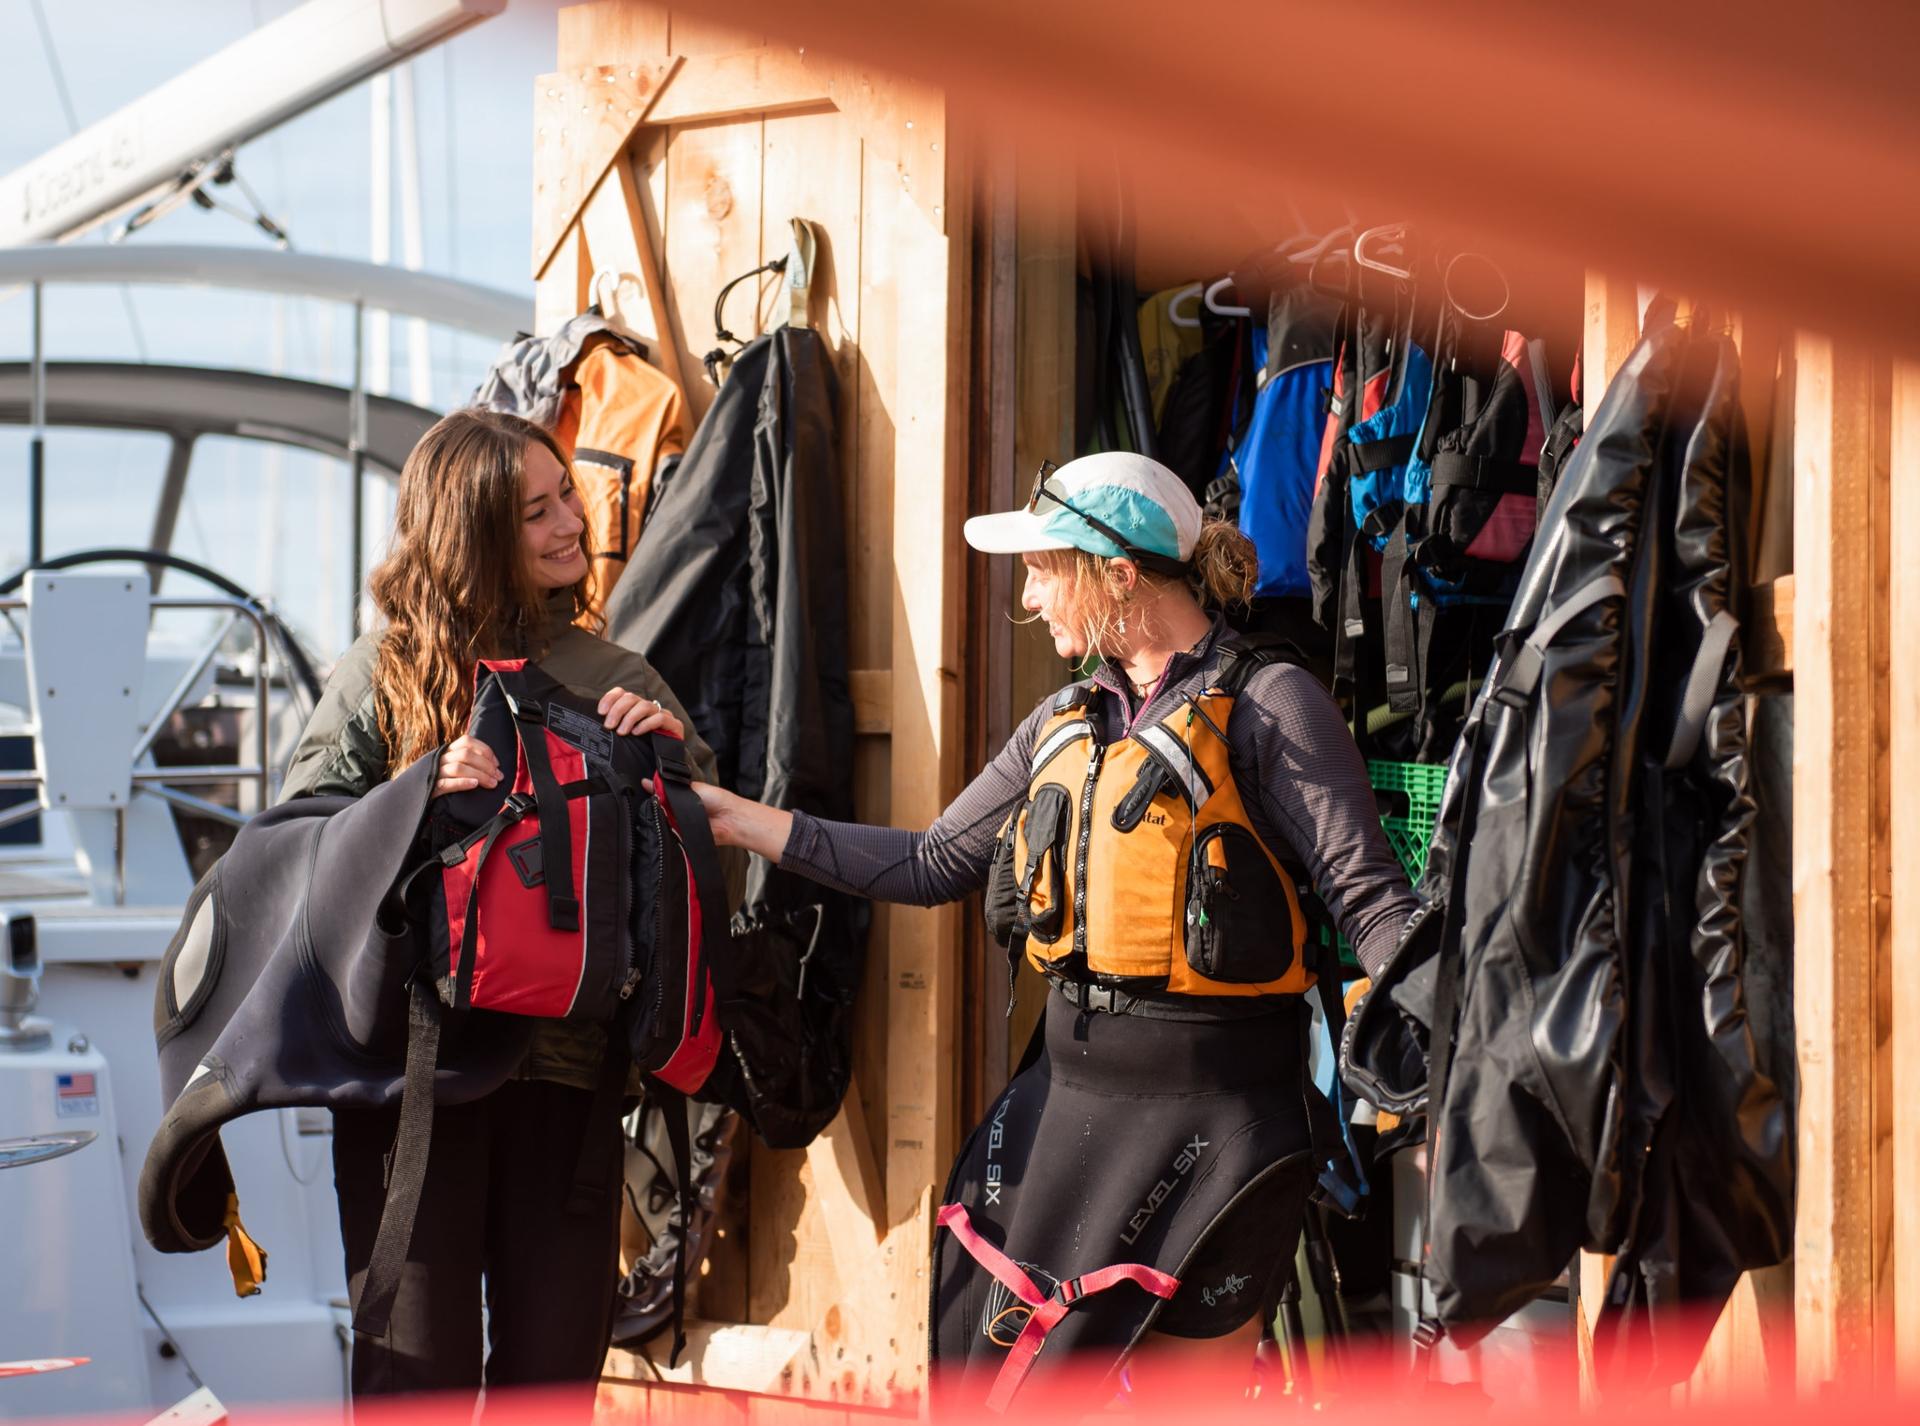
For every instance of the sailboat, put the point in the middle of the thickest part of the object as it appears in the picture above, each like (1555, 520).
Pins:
(147, 704)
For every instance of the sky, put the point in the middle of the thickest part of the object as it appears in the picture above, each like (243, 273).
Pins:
(275, 520)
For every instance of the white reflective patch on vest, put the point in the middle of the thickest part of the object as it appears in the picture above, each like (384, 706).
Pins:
(1051, 745)
(1179, 760)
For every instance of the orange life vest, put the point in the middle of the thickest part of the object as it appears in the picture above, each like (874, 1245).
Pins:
(1134, 861)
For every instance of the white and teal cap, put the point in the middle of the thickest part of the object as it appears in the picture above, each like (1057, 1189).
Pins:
(1112, 504)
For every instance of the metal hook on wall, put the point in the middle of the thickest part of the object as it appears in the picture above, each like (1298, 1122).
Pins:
(1388, 232)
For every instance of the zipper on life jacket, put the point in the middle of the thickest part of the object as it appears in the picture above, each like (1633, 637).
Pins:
(1080, 852)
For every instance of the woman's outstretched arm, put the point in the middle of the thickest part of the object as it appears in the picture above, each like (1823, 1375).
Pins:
(943, 863)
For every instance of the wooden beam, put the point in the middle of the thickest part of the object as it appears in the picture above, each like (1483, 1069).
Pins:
(1767, 641)
(762, 80)
(872, 700)
(1839, 513)
(1613, 327)
(582, 120)
(1904, 868)
(1612, 331)
(929, 301)
(846, 1180)
(620, 242)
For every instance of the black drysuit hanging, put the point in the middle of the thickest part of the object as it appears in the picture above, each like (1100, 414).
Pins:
(1578, 956)
(737, 595)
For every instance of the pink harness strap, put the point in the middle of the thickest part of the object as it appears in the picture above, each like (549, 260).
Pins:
(1047, 1310)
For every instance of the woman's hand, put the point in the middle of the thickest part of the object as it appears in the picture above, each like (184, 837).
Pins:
(632, 714)
(737, 822)
(466, 764)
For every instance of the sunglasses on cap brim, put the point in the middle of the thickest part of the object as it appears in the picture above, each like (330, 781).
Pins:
(1043, 488)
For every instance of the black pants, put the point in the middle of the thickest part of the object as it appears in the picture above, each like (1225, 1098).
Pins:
(494, 1208)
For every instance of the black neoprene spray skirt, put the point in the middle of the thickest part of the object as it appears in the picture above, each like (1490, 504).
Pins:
(1183, 1145)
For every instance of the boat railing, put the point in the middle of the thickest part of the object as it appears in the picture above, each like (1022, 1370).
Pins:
(168, 783)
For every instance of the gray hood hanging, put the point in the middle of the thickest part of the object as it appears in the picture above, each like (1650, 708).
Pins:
(1576, 963)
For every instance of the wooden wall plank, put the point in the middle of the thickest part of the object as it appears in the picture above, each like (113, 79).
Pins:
(1612, 330)
(712, 225)
(1043, 430)
(620, 249)
(926, 421)
(1613, 326)
(1767, 641)
(811, 169)
(1904, 869)
(715, 198)
(751, 81)
(583, 120)
(609, 31)
(560, 292)
(1834, 836)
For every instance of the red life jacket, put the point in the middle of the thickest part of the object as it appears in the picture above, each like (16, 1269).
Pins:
(590, 891)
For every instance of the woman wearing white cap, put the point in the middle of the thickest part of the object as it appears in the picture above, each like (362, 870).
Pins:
(1142, 840)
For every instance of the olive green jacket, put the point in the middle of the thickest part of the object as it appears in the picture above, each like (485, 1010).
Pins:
(342, 753)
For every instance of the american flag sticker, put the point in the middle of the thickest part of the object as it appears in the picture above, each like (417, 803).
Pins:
(76, 1095)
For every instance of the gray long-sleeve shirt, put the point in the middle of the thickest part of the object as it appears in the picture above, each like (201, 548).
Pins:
(1302, 778)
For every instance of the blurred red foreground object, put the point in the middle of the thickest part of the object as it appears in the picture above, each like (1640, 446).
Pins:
(1759, 151)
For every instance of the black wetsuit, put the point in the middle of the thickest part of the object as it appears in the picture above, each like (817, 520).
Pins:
(1176, 1136)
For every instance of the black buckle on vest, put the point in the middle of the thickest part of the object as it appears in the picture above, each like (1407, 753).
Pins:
(526, 710)
(1521, 677)
(672, 757)
(1070, 1291)
(563, 912)
(1087, 996)
(1427, 1334)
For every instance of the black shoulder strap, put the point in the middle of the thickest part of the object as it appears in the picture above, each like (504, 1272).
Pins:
(556, 826)
(406, 1167)
(1077, 694)
(1243, 655)
(690, 821)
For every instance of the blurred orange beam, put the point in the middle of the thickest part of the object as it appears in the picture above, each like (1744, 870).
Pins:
(1760, 151)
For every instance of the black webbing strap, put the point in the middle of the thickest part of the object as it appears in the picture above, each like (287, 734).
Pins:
(1459, 470)
(510, 815)
(1703, 682)
(556, 827)
(673, 1105)
(406, 1166)
(1383, 454)
(1399, 635)
(1350, 629)
(1446, 995)
(593, 1173)
(690, 820)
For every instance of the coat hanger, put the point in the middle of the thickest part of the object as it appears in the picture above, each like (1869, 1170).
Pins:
(1212, 299)
(1390, 233)
(1310, 255)
(1192, 289)
(608, 310)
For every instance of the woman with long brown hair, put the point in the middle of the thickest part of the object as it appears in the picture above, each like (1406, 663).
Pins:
(1143, 840)
(488, 560)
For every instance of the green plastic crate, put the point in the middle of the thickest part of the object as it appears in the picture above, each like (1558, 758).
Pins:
(1408, 795)
(1409, 798)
